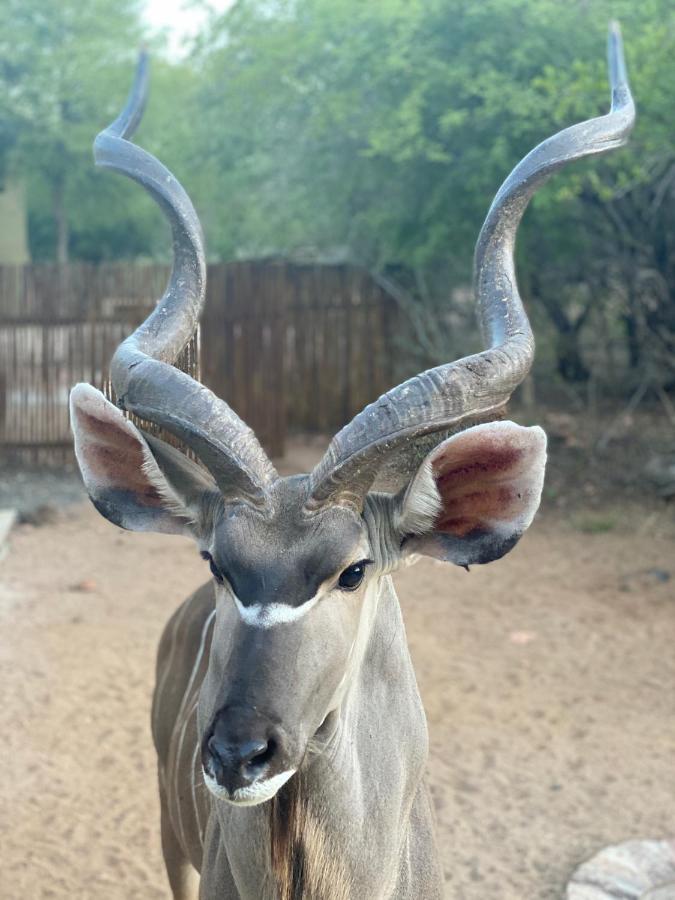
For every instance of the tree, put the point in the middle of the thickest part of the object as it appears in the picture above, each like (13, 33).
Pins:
(376, 133)
(380, 132)
(61, 64)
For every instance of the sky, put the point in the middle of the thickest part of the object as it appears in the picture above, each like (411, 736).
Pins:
(179, 20)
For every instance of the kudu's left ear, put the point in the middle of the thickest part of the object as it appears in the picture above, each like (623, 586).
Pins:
(474, 495)
(136, 481)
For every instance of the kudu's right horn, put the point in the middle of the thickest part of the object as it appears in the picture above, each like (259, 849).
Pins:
(476, 387)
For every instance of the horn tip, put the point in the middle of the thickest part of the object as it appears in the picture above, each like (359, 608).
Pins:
(142, 61)
(128, 120)
(617, 63)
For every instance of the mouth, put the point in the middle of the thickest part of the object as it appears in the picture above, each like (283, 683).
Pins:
(260, 791)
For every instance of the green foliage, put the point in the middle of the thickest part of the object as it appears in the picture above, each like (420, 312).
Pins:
(60, 66)
(385, 128)
(379, 132)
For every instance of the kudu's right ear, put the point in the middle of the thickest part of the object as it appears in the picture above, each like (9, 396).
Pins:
(474, 495)
(136, 481)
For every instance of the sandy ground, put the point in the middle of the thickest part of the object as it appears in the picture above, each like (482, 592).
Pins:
(547, 679)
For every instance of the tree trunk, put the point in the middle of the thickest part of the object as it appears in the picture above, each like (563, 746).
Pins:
(571, 365)
(61, 222)
(570, 362)
(632, 340)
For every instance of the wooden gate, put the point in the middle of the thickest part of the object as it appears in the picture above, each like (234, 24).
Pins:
(296, 347)
(242, 346)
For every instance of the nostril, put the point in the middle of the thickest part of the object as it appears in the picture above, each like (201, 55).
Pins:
(239, 762)
(263, 756)
(214, 749)
(254, 754)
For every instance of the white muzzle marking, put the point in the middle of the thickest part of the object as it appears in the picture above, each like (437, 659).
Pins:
(258, 792)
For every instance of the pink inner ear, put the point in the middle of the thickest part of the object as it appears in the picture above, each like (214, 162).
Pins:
(488, 475)
(114, 456)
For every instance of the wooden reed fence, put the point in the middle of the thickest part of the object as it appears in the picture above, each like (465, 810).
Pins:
(289, 346)
(58, 326)
(296, 347)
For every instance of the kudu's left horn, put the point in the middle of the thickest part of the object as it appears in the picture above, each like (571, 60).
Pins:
(146, 382)
(405, 422)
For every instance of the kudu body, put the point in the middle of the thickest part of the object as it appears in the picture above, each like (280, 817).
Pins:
(288, 725)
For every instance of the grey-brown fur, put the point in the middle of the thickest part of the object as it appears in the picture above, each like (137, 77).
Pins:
(363, 828)
(370, 832)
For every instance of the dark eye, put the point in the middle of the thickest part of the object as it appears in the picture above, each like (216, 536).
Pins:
(215, 571)
(352, 576)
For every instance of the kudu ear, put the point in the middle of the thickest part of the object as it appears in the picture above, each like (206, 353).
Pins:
(474, 495)
(136, 481)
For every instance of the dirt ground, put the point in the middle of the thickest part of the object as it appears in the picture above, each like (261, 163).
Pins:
(547, 679)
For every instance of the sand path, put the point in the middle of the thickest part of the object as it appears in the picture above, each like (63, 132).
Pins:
(547, 678)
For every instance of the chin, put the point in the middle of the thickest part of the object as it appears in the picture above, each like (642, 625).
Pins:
(262, 790)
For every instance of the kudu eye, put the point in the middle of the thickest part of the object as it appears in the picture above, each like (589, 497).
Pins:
(215, 571)
(352, 576)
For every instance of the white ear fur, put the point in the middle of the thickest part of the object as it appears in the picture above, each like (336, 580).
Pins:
(420, 504)
(114, 459)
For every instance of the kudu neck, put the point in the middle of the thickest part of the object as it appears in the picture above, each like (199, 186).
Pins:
(369, 771)
(381, 689)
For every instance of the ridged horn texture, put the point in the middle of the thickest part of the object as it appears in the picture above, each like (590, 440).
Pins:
(146, 382)
(478, 386)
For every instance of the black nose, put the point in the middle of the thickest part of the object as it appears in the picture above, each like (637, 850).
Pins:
(238, 751)
(245, 757)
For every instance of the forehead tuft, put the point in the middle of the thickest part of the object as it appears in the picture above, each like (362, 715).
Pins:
(283, 555)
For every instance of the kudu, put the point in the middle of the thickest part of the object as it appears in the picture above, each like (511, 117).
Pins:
(290, 732)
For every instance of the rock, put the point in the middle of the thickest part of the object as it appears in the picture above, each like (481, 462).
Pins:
(665, 892)
(634, 870)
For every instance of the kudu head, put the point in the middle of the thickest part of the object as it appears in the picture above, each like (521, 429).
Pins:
(296, 561)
